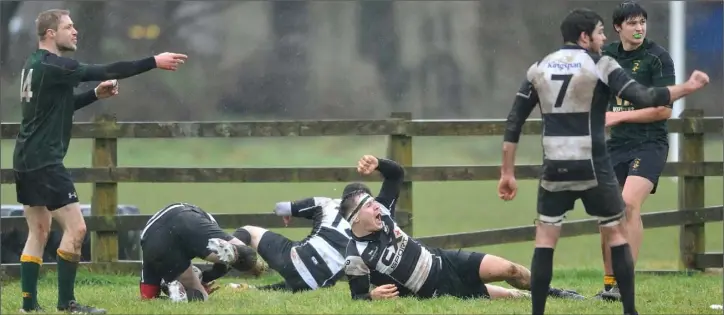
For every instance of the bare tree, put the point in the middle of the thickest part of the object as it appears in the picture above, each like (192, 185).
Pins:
(8, 9)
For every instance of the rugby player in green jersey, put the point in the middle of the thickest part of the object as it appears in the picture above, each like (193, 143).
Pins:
(42, 183)
(639, 137)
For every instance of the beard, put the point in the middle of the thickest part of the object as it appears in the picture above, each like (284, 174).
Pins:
(66, 47)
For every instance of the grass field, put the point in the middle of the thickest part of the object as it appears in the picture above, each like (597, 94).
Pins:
(439, 207)
(119, 294)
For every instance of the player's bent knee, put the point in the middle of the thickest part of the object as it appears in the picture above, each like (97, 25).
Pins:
(611, 221)
(551, 220)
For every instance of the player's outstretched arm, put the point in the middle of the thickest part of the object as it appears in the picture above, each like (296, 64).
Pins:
(625, 87)
(125, 69)
(303, 208)
(664, 75)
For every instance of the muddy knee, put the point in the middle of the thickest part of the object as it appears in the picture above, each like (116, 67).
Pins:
(77, 233)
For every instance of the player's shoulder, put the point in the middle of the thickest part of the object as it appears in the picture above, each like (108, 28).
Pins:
(655, 49)
(611, 49)
(49, 59)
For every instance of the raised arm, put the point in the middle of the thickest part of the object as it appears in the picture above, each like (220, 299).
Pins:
(663, 74)
(393, 175)
(305, 208)
(525, 100)
(623, 86)
(358, 277)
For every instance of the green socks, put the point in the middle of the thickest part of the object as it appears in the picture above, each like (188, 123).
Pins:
(67, 269)
(29, 272)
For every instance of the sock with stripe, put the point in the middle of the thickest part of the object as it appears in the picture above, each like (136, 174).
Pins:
(609, 282)
(67, 269)
(29, 273)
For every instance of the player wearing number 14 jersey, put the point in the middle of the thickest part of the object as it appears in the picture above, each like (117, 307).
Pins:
(42, 183)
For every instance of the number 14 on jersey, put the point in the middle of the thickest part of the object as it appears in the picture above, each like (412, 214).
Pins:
(25, 92)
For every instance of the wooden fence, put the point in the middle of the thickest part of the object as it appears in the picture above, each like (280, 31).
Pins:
(105, 176)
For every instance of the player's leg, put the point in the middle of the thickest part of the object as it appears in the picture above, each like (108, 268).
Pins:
(494, 268)
(620, 162)
(204, 239)
(39, 221)
(497, 292)
(195, 290)
(552, 208)
(275, 249)
(31, 193)
(606, 203)
(642, 180)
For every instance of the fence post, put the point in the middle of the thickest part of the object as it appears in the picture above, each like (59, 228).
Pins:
(399, 148)
(105, 195)
(691, 188)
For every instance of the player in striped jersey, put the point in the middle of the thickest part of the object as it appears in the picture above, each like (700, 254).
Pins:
(380, 253)
(572, 87)
(179, 233)
(312, 263)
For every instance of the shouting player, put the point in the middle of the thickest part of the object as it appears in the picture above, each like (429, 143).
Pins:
(177, 234)
(380, 253)
(43, 185)
(639, 143)
(572, 86)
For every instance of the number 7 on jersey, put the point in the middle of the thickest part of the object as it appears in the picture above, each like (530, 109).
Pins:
(566, 78)
(25, 92)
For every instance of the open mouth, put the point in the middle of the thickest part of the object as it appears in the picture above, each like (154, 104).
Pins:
(378, 217)
(638, 36)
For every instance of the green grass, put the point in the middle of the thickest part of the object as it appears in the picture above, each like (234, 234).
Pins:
(119, 294)
(439, 207)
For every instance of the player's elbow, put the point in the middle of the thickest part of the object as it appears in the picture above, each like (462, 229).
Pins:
(663, 112)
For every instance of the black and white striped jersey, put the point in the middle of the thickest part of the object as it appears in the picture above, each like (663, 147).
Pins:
(319, 257)
(393, 253)
(572, 87)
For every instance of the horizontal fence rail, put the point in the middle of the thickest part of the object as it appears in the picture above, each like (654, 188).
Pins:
(326, 174)
(316, 128)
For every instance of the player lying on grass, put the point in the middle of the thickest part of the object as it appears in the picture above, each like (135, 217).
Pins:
(380, 253)
(316, 261)
(179, 233)
(309, 264)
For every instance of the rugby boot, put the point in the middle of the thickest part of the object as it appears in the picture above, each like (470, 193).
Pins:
(613, 295)
(75, 308)
(565, 294)
(36, 309)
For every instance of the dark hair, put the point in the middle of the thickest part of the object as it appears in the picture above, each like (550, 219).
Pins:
(348, 202)
(626, 10)
(352, 187)
(577, 22)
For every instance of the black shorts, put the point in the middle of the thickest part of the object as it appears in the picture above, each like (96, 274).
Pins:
(169, 246)
(51, 187)
(646, 160)
(459, 274)
(603, 201)
(276, 250)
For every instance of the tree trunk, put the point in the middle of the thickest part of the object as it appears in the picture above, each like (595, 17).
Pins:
(7, 12)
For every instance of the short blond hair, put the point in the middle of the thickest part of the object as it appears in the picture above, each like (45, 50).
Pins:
(49, 20)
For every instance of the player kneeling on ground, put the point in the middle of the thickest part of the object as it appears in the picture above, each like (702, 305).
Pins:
(382, 254)
(179, 233)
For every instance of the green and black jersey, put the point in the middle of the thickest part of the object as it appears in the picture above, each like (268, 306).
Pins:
(650, 65)
(48, 103)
